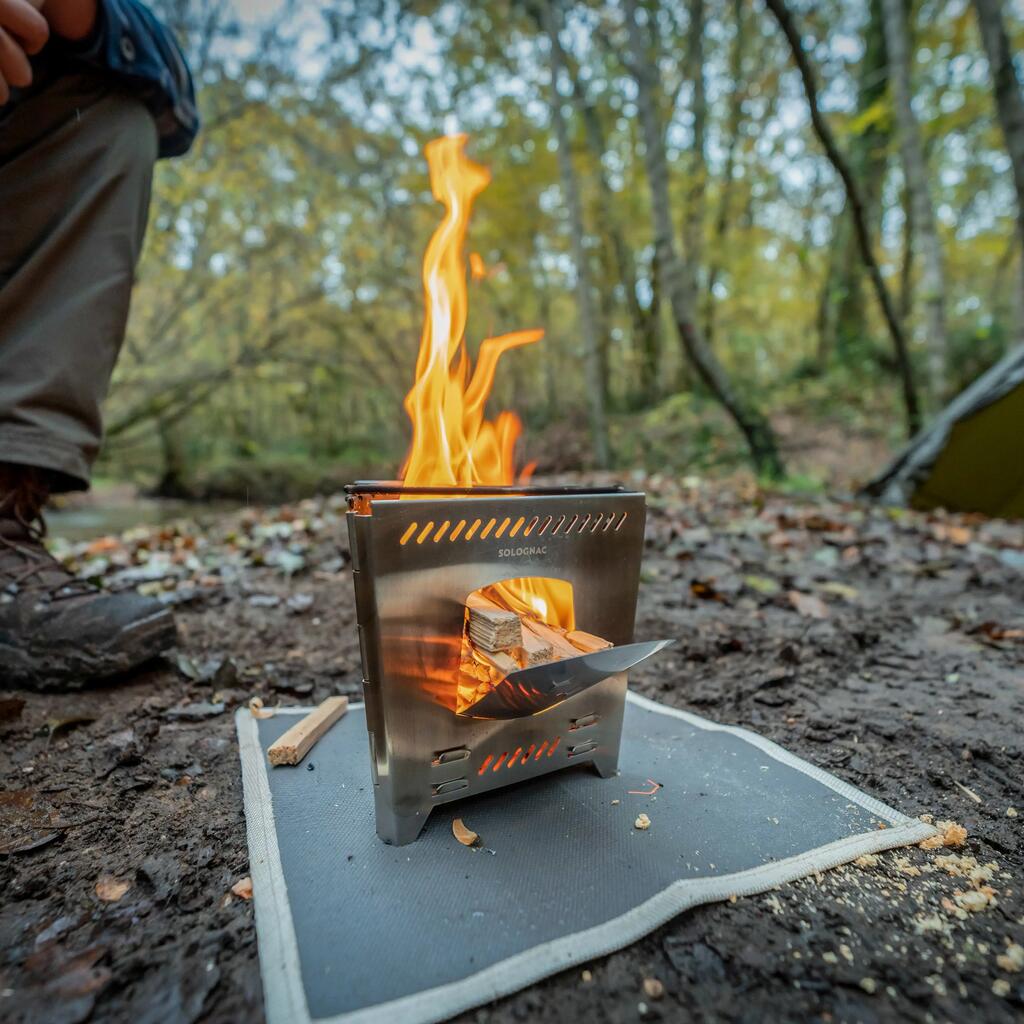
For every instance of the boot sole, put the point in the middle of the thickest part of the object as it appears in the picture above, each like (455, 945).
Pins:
(126, 650)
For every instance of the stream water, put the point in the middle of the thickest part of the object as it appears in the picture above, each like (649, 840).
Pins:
(117, 513)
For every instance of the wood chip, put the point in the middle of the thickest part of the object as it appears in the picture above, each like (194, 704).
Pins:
(950, 834)
(110, 889)
(293, 746)
(257, 710)
(465, 835)
(243, 888)
(653, 988)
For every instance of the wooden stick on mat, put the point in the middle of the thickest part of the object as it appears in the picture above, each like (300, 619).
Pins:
(293, 746)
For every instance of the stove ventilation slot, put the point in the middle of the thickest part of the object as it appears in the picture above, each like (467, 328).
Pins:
(519, 756)
(466, 529)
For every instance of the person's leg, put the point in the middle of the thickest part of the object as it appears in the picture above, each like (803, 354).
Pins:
(76, 163)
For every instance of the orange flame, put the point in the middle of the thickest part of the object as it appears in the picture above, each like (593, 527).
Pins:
(452, 443)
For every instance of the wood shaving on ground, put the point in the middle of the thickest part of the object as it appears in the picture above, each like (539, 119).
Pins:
(243, 888)
(257, 710)
(110, 889)
(642, 822)
(950, 834)
(465, 835)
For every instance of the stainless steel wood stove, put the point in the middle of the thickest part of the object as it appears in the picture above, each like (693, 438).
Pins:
(417, 554)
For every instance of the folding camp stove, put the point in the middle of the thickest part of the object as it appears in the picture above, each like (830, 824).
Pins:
(417, 554)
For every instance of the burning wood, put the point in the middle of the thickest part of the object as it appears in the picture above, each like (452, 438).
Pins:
(492, 628)
(500, 641)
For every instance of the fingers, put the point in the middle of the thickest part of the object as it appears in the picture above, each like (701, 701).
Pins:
(14, 65)
(23, 21)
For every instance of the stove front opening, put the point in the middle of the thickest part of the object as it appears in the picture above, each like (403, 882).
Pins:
(510, 626)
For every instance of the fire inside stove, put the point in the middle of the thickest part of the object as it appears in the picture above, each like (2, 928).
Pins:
(495, 617)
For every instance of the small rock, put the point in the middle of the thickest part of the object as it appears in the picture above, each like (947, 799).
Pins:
(1011, 812)
(1001, 988)
(264, 601)
(869, 985)
(298, 604)
(642, 822)
(586, 977)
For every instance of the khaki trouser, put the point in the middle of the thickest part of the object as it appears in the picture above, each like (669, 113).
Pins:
(76, 163)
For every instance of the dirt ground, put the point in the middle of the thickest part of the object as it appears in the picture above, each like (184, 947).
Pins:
(886, 646)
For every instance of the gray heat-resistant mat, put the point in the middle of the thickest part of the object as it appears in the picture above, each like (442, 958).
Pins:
(352, 930)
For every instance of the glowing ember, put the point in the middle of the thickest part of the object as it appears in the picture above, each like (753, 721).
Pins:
(452, 443)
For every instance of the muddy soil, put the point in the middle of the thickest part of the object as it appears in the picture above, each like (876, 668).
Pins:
(886, 647)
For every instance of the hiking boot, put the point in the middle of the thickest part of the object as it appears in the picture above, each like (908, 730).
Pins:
(57, 631)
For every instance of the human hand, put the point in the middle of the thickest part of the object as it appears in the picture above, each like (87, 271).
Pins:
(69, 19)
(23, 32)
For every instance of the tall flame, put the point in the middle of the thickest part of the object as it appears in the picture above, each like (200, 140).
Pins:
(452, 443)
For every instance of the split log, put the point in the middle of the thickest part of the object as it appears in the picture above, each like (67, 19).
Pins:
(587, 642)
(293, 746)
(492, 628)
(549, 634)
(535, 650)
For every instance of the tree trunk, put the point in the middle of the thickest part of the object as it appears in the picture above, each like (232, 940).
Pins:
(693, 213)
(754, 427)
(855, 202)
(915, 173)
(1009, 104)
(735, 119)
(645, 339)
(584, 290)
(845, 315)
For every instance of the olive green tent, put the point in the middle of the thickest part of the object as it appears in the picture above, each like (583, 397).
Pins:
(971, 458)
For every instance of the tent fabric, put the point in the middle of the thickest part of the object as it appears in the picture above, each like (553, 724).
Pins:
(351, 930)
(971, 458)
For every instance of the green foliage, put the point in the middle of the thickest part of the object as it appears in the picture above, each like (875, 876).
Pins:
(278, 307)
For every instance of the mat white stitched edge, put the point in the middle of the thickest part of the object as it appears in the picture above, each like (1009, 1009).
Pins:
(283, 992)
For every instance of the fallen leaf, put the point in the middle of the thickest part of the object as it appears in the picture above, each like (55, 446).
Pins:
(808, 605)
(111, 889)
(243, 888)
(762, 584)
(843, 590)
(56, 725)
(465, 835)
(706, 590)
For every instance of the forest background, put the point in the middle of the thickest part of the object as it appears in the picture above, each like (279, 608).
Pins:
(745, 226)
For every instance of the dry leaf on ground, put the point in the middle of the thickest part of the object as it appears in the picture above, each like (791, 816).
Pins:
(111, 889)
(808, 605)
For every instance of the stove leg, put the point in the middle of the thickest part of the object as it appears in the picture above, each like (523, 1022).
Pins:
(607, 766)
(400, 829)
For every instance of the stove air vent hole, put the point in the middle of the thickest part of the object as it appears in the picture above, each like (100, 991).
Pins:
(520, 756)
(465, 529)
